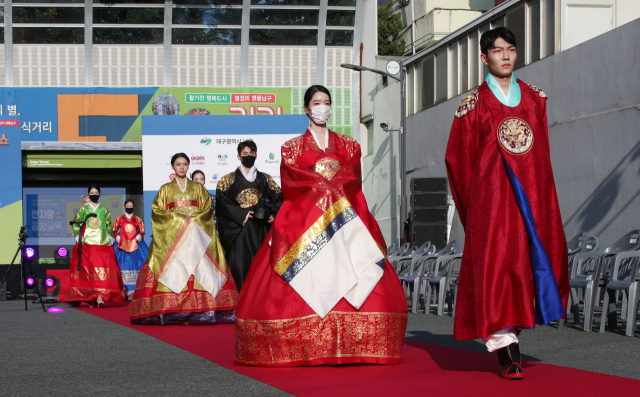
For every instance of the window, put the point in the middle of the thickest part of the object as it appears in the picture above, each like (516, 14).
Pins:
(453, 70)
(410, 89)
(370, 129)
(548, 27)
(484, 70)
(283, 37)
(266, 16)
(285, 2)
(534, 23)
(48, 15)
(474, 59)
(49, 1)
(515, 22)
(48, 35)
(128, 36)
(128, 15)
(496, 23)
(338, 38)
(341, 18)
(464, 64)
(441, 76)
(428, 83)
(207, 16)
(209, 36)
(211, 2)
(343, 3)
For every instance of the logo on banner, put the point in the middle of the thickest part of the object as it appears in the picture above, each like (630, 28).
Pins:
(214, 177)
(172, 176)
(4, 140)
(272, 159)
(197, 160)
(223, 159)
(206, 141)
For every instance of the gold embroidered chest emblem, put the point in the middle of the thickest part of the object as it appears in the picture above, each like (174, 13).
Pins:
(95, 223)
(248, 197)
(128, 228)
(515, 135)
(327, 167)
(467, 104)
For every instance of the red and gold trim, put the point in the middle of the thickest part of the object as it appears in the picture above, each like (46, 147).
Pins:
(183, 203)
(340, 337)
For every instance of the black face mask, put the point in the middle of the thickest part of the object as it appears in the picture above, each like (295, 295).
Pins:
(248, 161)
(94, 197)
(128, 210)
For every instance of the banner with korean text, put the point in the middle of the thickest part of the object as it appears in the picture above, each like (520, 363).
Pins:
(211, 144)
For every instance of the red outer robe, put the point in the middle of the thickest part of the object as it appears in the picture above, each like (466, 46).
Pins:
(496, 285)
(274, 325)
(129, 230)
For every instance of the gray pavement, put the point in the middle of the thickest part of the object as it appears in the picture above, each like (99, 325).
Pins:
(77, 354)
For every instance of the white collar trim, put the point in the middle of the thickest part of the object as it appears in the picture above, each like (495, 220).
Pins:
(251, 175)
(326, 138)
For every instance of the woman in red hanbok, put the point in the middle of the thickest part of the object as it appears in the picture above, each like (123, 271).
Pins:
(97, 278)
(320, 290)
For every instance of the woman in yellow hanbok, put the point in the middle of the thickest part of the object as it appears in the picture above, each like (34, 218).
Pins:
(186, 276)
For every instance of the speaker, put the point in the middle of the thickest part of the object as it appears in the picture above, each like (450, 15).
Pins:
(421, 185)
(429, 215)
(428, 200)
(420, 233)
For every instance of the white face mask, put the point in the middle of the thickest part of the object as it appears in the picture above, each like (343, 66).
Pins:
(320, 114)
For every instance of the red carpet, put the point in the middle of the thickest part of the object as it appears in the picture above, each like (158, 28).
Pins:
(426, 369)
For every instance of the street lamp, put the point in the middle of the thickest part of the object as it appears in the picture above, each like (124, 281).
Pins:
(403, 113)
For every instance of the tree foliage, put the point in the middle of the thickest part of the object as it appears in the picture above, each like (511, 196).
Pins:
(389, 25)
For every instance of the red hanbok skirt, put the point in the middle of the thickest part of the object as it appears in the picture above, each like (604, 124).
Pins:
(275, 327)
(150, 306)
(99, 276)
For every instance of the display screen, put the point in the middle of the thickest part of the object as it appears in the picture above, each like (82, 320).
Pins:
(48, 211)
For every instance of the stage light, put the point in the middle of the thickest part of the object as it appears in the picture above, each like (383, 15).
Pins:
(29, 252)
(61, 256)
(31, 282)
(50, 282)
(62, 251)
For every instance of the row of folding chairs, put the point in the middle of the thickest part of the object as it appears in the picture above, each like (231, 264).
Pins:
(425, 272)
(602, 276)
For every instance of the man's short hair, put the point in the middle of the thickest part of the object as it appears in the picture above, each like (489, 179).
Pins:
(488, 39)
(244, 144)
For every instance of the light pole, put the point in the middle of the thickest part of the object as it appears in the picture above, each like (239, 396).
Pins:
(402, 130)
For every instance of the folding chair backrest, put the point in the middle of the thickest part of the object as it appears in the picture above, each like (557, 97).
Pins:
(576, 243)
(626, 266)
(585, 263)
(449, 249)
(402, 250)
(628, 242)
(443, 265)
(391, 250)
(423, 247)
(591, 244)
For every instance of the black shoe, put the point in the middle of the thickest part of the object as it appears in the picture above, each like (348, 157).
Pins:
(511, 362)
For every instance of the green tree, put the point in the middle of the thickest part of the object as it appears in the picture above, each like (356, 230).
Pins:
(389, 25)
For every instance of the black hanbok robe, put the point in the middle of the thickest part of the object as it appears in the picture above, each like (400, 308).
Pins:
(236, 196)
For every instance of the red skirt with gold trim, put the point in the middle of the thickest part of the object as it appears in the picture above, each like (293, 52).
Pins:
(150, 306)
(275, 327)
(99, 275)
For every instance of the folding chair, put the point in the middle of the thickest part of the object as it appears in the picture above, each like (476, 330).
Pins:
(624, 279)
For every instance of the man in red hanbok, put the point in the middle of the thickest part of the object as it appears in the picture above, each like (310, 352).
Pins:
(514, 267)
(320, 290)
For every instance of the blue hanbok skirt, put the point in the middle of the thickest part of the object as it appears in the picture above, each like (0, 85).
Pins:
(130, 265)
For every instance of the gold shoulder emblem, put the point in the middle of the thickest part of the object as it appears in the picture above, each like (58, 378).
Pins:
(467, 104)
(226, 181)
(272, 184)
(538, 90)
(292, 141)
